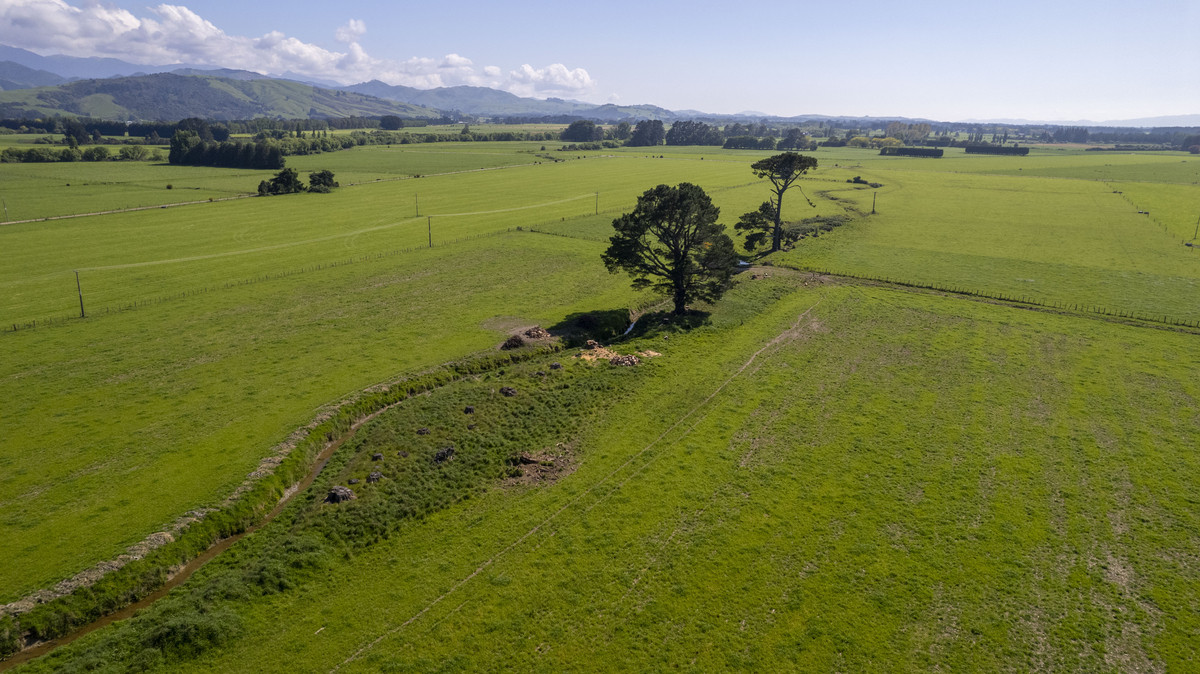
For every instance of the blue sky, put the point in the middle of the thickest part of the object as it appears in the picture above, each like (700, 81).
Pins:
(1098, 60)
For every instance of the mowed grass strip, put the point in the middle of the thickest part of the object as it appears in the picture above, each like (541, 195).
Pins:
(1006, 490)
(116, 425)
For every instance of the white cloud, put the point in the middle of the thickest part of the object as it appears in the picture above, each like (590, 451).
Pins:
(553, 80)
(350, 32)
(176, 34)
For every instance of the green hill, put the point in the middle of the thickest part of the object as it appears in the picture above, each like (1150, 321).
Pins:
(491, 102)
(168, 96)
(17, 76)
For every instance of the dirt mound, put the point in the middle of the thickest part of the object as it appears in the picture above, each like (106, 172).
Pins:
(544, 467)
(537, 332)
(595, 351)
(340, 494)
(513, 342)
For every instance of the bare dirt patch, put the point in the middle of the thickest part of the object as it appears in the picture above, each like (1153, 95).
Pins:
(546, 466)
(594, 351)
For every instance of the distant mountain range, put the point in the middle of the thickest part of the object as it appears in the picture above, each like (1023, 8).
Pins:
(32, 85)
(169, 96)
(494, 103)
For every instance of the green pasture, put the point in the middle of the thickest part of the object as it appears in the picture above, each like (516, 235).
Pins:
(25, 140)
(253, 313)
(828, 477)
(143, 415)
(214, 284)
(381, 162)
(157, 253)
(34, 191)
(1069, 241)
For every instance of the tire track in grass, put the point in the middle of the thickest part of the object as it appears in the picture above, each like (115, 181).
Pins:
(786, 336)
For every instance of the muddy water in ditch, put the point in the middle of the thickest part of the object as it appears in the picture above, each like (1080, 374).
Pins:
(42, 648)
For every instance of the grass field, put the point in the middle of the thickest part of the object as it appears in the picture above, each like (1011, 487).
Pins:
(844, 478)
(147, 421)
(1065, 240)
(899, 480)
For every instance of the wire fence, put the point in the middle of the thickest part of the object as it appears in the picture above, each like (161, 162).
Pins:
(1063, 306)
(261, 278)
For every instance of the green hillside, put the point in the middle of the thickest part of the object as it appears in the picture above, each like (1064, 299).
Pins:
(168, 96)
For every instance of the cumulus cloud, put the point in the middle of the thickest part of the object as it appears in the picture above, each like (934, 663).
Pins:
(351, 31)
(175, 34)
(554, 80)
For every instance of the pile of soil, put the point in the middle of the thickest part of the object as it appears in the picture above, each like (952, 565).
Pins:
(537, 332)
(544, 467)
(340, 494)
(594, 351)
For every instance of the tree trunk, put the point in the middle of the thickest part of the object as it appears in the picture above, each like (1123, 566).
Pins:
(777, 235)
(680, 302)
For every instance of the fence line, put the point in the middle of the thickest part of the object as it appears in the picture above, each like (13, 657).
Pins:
(1012, 299)
(140, 303)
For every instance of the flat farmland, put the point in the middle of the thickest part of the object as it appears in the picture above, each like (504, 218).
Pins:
(1071, 241)
(166, 368)
(814, 474)
(824, 477)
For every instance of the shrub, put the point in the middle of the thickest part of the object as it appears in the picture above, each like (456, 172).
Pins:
(189, 631)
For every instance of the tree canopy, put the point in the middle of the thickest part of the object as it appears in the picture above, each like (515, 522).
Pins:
(693, 133)
(671, 242)
(286, 181)
(782, 170)
(757, 225)
(583, 131)
(321, 181)
(647, 133)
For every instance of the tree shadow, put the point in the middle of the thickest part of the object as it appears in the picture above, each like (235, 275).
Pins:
(602, 325)
(608, 325)
(665, 323)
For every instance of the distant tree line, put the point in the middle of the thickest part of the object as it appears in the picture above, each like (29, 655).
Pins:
(187, 149)
(45, 154)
